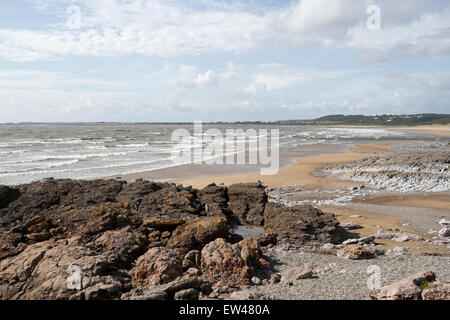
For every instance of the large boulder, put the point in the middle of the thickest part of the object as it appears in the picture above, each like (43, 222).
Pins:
(407, 289)
(301, 224)
(60, 270)
(171, 201)
(157, 266)
(215, 199)
(247, 202)
(133, 193)
(198, 232)
(230, 264)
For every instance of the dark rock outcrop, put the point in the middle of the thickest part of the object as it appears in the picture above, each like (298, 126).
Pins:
(7, 195)
(143, 240)
(215, 199)
(247, 202)
(301, 224)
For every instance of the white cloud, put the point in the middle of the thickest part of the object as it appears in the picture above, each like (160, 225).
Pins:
(170, 27)
(427, 36)
(191, 78)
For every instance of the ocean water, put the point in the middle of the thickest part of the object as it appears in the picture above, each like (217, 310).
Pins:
(84, 151)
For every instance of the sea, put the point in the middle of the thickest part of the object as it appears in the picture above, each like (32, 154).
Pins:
(30, 152)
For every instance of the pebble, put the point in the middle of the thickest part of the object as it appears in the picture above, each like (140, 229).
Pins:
(256, 281)
(397, 251)
(328, 246)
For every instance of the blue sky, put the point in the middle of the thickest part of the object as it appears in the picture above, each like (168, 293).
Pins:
(211, 60)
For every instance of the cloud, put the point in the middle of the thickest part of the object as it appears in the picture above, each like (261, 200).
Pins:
(426, 36)
(191, 78)
(172, 28)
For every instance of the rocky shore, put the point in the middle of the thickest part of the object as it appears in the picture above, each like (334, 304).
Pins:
(408, 168)
(142, 240)
(107, 239)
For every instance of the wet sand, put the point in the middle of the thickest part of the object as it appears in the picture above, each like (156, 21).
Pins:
(437, 130)
(300, 173)
(215, 171)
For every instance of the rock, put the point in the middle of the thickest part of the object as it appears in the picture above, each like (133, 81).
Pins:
(397, 251)
(444, 232)
(188, 294)
(231, 264)
(192, 259)
(407, 289)
(134, 193)
(436, 291)
(256, 281)
(120, 246)
(43, 271)
(355, 216)
(11, 244)
(182, 283)
(384, 235)
(241, 295)
(163, 224)
(171, 201)
(247, 202)
(403, 237)
(266, 238)
(363, 240)
(196, 233)
(157, 266)
(293, 274)
(358, 252)
(301, 224)
(250, 251)
(444, 222)
(275, 278)
(83, 194)
(193, 272)
(215, 199)
(8, 195)
(351, 226)
(328, 246)
(147, 297)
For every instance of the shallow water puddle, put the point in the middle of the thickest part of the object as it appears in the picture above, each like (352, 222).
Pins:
(248, 231)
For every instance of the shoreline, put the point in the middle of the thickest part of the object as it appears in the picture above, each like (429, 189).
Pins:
(201, 171)
(299, 173)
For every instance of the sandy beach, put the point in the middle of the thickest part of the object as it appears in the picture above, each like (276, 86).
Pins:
(299, 173)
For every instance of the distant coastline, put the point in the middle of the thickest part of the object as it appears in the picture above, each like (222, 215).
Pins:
(329, 120)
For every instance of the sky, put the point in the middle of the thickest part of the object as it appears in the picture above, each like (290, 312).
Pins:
(221, 60)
